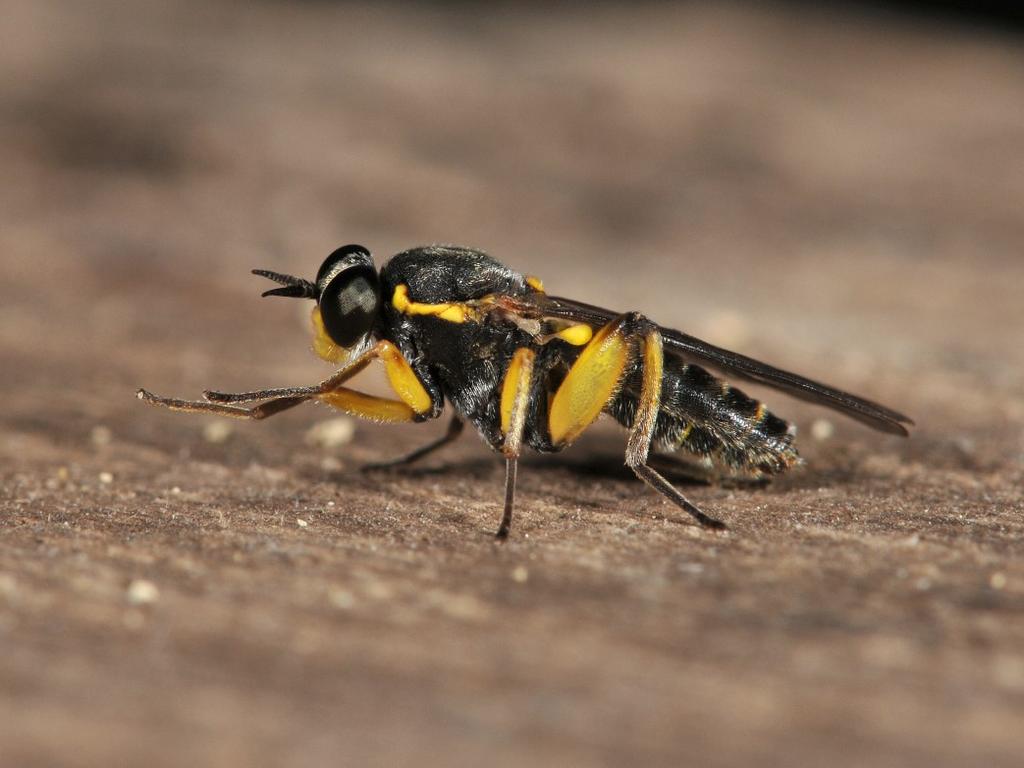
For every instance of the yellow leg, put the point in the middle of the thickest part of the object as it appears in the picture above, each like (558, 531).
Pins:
(594, 381)
(639, 444)
(515, 396)
(368, 407)
(415, 402)
(591, 383)
(515, 401)
(403, 379)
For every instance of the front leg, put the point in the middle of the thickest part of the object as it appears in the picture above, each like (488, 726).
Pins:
(415, 402)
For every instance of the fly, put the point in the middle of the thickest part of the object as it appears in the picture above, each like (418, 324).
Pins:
(529, 370)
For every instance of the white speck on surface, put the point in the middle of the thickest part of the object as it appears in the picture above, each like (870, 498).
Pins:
(341, 599)
(301, 523)
(106, 478)
(460, 606)
(217, 431)
(143, 592)
(822, 429)
(378, 590)
(101, 436)
(997, 580)
(330, 464)
(520, 574)
(332, 433)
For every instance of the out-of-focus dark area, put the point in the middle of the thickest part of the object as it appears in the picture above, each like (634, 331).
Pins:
(833, 188)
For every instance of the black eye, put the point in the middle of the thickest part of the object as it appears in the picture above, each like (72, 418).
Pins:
(348, 294)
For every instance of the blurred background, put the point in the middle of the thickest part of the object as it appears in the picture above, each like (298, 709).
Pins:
(833, 187)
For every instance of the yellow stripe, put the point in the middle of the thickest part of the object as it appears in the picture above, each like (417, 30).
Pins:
(452, 312)
(536, 283)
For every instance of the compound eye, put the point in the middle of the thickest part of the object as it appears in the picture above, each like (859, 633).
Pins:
(349, 295)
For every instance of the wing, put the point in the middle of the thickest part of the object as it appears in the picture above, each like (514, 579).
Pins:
(690, 348)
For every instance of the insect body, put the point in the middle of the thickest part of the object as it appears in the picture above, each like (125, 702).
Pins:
(529, 369)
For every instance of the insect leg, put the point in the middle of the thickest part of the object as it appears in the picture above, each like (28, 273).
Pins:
(327, 385)
(451, 435)
(593, 380)
(638, 445)
(414, 404)
(261, 411)
(515, 400)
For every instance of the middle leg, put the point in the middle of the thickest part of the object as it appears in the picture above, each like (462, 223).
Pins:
(515, 401)
(450, 436)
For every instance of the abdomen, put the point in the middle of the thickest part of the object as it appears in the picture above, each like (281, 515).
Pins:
(707, 417)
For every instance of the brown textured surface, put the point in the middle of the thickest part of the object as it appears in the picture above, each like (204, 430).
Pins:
(836, 195)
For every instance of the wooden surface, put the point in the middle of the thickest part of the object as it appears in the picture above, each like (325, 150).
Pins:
(838, 195)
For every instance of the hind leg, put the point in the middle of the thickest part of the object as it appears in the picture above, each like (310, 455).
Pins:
(594, 381)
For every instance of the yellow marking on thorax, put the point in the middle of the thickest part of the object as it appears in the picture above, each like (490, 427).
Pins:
(323, 345)
(450, 311)
(577, 335)
(536, 283)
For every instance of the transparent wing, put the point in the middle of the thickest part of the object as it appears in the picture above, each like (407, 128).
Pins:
(740, 366)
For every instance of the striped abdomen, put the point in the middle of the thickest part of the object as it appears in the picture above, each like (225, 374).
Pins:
(708, 417)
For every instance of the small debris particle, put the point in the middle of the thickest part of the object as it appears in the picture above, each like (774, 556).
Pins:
(301, 523)
(997, 580)
(175, 490)
(330, 464)
(463, 607)
(520, 574)
(378, 590)
(923, 584)
(217, 431)
(142, 592)
(822, 429)
(101, 436)
(63, 474)
(106, 478)
(332, 433)
(341, 599)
